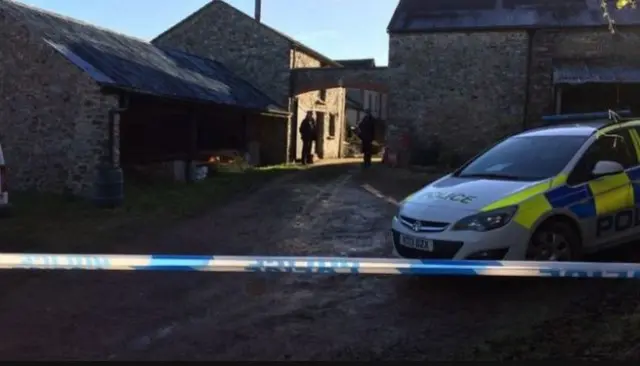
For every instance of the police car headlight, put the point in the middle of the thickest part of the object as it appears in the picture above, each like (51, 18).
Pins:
(486, 221)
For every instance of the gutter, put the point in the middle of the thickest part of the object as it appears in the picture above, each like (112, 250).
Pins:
(112, 88)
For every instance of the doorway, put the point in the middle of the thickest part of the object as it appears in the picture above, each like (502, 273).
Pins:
(320, 136)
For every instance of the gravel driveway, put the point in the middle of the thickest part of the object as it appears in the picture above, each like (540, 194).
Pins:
(208, 316)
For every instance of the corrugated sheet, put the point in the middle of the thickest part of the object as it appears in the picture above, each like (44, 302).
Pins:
(575, 73)
(121, 61)
(439, 15)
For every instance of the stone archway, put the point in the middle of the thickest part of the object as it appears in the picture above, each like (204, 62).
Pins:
(309, 79)
(306, 80)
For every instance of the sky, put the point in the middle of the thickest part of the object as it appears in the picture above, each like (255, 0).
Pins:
(339, 29)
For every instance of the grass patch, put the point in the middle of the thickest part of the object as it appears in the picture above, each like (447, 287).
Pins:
(48, 222)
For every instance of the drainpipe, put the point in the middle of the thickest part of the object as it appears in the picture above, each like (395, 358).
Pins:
(527, 84)
(123, 105)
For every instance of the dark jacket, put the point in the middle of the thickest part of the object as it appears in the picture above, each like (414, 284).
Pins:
(308, 129)
(366, 128)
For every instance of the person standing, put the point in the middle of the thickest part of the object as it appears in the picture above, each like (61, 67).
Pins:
(366, 133)
(308, 135)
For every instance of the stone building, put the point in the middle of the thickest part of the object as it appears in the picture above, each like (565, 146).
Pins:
(73, 96)
(359, 100)
(473, 71)
(266, 57)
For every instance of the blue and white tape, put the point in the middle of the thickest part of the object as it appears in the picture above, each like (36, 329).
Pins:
(329, 265)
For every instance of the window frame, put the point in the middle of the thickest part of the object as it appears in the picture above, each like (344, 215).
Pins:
(571, 181)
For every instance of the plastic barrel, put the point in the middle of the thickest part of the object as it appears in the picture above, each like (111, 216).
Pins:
(109, 187)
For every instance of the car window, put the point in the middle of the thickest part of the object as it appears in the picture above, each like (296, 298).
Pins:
(616, 146)
(526, 158)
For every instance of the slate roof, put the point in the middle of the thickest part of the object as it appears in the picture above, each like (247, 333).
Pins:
(364, 63)
(469, 15)
(294, 43)
(120, 61)
(575, 72)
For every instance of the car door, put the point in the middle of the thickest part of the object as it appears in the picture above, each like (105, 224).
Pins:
(610, 200)
(634, 176)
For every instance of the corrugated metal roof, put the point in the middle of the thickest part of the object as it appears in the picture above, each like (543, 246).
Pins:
(459, 15)
(113, 59)
(581, 72)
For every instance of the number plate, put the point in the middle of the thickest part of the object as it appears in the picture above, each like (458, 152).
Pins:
(416, 243)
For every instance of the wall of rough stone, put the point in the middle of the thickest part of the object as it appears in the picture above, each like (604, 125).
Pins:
(466, 89)
(333, 104)
(621, 48)
(252, 51)
(53, 119)
(267, 130)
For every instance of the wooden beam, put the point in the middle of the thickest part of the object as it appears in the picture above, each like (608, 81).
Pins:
(192, 144)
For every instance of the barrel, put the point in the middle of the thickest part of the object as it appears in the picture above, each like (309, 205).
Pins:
(109, 187)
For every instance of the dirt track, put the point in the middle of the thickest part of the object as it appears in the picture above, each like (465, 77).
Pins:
(205, 316)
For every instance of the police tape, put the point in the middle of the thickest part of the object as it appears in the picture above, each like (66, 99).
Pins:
(327, 265)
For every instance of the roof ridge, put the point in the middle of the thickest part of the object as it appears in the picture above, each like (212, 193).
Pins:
(71, 19)
(357, 59)
(265, 26)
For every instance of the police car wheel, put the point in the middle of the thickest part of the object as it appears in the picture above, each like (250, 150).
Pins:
(554, 241)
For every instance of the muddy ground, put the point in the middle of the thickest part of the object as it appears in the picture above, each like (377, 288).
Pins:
(237, 316)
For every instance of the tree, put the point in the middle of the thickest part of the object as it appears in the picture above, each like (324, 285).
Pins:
(619, 4)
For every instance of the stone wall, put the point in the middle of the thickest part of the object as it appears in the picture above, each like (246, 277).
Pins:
(222, 33)
(466, 89)
(621, 48)
(333, 104)
(53, 119)
(252, 51)
(267, 131)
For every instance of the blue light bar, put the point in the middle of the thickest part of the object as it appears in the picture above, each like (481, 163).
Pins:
(570, 117)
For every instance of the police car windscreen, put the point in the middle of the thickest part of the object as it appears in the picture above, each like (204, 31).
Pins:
(526, 158)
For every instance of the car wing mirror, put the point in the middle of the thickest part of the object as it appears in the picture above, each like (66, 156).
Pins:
(606, 167)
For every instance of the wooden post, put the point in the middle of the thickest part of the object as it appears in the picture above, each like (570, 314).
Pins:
(193, 145)
(559, 100)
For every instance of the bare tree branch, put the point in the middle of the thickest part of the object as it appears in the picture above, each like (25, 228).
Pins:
(619, 4)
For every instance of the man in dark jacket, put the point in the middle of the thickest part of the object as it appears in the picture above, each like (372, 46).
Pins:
(366, 132)
(308, 135)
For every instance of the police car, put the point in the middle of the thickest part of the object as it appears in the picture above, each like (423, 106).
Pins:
(553, 193)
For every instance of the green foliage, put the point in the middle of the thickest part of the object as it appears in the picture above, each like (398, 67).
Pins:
(619, 4)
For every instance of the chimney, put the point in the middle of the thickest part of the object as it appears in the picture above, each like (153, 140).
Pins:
(258, 10)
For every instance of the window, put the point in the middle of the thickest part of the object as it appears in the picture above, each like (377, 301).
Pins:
(526, 158)
(332, 125)
(322, 95)
(615, 146)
